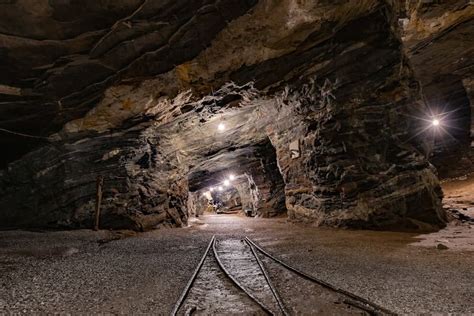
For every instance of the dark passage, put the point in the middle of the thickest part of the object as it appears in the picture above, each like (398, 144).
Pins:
(245, 180)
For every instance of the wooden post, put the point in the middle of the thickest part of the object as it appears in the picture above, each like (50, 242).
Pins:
(98, 200)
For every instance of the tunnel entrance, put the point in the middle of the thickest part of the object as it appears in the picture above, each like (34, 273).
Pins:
(245, 181)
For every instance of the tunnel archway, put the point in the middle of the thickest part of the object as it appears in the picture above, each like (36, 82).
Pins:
(250, 174)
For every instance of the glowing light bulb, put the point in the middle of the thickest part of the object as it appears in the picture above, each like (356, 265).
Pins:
(220, 188)
(435, 122)
(226, 182)
(231, 177)
(221, 127)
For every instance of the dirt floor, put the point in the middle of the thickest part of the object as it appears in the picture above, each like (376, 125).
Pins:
(126, 273)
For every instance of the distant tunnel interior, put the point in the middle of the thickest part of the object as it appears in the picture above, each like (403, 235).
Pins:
(244, 180)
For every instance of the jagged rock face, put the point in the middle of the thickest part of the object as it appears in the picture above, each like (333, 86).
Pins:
(438, 40)
(55, 185)
(325, 132)
(198, 203)
(61, 56)
(228, 200)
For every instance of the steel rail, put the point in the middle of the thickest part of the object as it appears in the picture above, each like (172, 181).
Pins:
(366, 305)
(267, 278)
(185, 292)
(237, 283)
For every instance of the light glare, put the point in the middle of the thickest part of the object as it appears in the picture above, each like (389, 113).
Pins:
(435, 122)
(231, 177)
(221, 126)
(220, 188)
(226, 183)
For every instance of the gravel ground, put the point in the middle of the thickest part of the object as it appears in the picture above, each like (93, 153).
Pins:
(104, 272)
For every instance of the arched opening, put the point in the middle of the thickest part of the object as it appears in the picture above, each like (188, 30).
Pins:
(244, 181)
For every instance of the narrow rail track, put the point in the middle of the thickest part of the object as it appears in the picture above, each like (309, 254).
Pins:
(350, 298)
(213, 287)
(236, 257)
(193, 278)
(239, 276)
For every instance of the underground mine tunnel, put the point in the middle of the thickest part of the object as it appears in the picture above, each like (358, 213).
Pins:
(236, 157)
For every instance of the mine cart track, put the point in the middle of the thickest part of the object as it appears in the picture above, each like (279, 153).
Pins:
(247, 272)
(237, 283)
(281, 305)
(354, 300)
(193, 278)
(184, 294)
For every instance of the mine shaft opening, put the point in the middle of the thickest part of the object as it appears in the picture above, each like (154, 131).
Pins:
(244, 181)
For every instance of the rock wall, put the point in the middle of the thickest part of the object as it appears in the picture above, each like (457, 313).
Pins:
(354, 172)
(358, 164)
(249, 195)
(269, 183)
(55, 186)
(197, 204)
(438, 40)
(228, 200)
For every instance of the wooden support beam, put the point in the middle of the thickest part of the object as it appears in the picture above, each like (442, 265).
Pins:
(98, 201)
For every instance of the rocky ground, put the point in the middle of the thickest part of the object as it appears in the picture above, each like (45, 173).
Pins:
(458, 236)
(459, 204)
(459, 195)
(90, 272)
